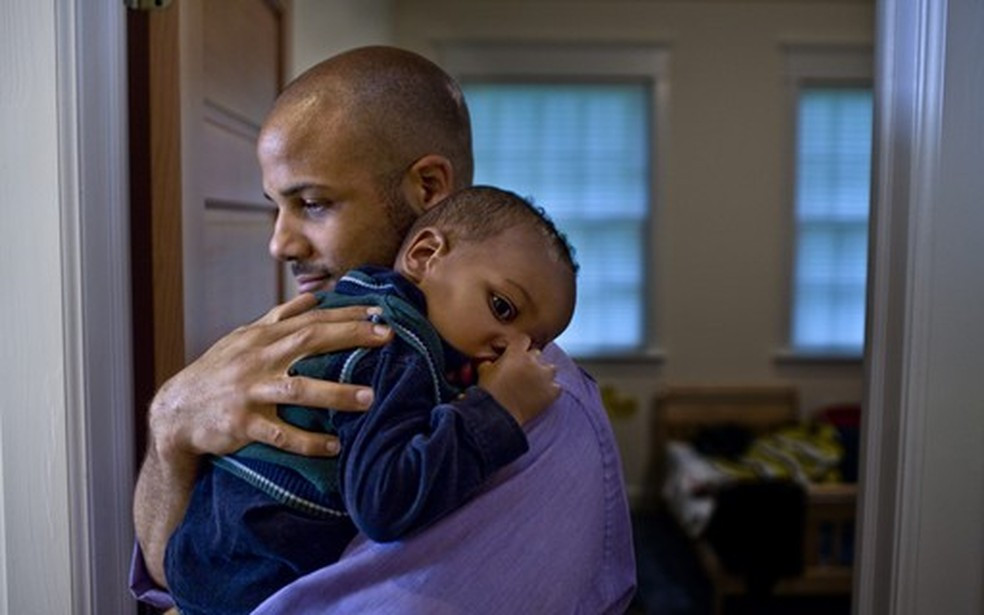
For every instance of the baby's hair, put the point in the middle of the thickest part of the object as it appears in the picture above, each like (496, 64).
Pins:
(480, 212)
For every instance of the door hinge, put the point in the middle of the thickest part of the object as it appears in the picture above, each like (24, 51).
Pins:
(146, 5)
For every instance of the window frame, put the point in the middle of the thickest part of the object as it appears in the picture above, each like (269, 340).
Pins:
(814, 66)
(560, 62)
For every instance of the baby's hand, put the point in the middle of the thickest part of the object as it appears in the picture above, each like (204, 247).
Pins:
(520, 381)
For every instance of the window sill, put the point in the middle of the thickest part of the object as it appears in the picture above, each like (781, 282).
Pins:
(790, 356)
(654, 356)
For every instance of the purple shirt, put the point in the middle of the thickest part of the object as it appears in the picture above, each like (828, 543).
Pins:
(549, 533)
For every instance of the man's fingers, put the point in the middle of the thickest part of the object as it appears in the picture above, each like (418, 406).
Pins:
(297, 305)
(321, 337)
(342, 314)
(298, 313)
(301, 391)
(289, 438)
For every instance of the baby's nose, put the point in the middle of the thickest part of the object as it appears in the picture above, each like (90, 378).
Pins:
(503, 341)
(499, 345)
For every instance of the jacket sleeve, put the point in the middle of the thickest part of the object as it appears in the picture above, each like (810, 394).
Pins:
(406, 462)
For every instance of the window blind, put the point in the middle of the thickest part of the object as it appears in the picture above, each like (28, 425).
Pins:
(580, 151)
(833, 171)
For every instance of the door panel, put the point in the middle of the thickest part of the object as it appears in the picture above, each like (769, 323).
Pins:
(228, 165)
(241, 56)
(241, 283)
(235, 278)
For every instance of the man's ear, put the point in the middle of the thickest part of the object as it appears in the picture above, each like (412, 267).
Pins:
(427, 246)
(428, 181)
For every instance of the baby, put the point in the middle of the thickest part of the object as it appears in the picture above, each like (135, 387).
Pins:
(482, 282)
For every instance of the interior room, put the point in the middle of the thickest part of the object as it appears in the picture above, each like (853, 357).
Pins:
(752, 184)
(720, 251)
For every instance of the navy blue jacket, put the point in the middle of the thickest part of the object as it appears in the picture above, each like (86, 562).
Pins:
(423, 448)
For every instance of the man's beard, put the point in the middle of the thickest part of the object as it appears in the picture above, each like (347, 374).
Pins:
(399, 213)
(298, 268)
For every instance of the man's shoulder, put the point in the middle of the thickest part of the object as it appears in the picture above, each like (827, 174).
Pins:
(576, 423)
(579, 391)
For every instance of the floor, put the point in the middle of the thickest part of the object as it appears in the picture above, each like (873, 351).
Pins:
(671, 581)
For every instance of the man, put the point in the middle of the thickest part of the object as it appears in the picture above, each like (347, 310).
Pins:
(353, 151)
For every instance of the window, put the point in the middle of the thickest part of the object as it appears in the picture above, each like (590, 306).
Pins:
(833, 171)
(581, 152)
(579, 143)
(830, 200)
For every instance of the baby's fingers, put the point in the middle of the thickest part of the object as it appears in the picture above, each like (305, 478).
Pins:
(518, 345)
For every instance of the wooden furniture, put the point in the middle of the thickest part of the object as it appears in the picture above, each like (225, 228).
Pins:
(681, 412)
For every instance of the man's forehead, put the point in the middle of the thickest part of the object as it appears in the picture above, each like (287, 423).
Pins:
(291, 133)
(308, 145)
(303, 118)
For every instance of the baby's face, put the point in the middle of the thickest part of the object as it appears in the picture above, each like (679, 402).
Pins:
(482, 295)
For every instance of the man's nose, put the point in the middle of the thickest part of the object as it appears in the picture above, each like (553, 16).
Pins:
(287, 242)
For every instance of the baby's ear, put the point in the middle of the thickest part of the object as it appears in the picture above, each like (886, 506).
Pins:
(424, 249)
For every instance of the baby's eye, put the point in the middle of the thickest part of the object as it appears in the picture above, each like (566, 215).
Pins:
(502, 308)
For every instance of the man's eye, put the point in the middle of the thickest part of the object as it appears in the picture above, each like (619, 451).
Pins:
(502, 308)
(314, 208)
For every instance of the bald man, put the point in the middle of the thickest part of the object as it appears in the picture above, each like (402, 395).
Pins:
(352, 152)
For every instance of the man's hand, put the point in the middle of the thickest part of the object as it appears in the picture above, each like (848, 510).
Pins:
(228, 398)
(520, 380)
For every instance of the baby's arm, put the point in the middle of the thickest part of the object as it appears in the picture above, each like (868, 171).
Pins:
(407, 463)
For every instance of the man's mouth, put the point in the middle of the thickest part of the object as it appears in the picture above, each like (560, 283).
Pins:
(312, 283)
(310, 280)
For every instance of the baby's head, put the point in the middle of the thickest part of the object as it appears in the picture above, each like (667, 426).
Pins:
(493, 268)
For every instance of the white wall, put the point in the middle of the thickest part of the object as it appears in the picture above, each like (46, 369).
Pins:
(34, 534)
(724, 218)
(322, 28)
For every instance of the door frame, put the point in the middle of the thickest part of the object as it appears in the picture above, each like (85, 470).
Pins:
(920, 536)
(913, 42)
(92, 101)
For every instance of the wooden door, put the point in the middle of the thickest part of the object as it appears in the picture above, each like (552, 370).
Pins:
(230, 277)
(203, 74)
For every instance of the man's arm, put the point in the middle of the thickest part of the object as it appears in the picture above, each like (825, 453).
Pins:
(227, 399)
(159, 503)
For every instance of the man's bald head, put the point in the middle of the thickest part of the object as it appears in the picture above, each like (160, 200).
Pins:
(400, 105)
